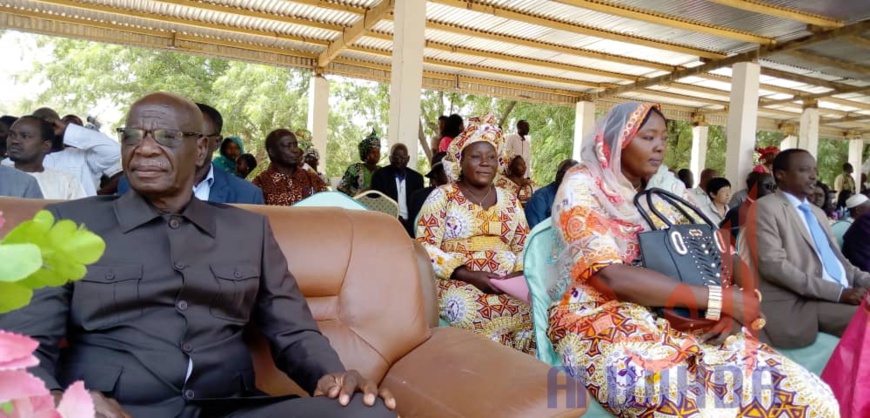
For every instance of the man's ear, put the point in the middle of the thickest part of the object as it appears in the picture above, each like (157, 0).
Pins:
(46, 146)
(201, 151)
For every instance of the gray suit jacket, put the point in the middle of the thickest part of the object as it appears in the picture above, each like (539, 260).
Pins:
(171, 292)
(775, 242)
(16, 183)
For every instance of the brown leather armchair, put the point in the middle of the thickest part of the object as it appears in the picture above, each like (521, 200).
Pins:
(361, 276)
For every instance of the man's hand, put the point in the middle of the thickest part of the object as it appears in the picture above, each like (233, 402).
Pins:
(344, 385)
(853, 296)
(107, 407)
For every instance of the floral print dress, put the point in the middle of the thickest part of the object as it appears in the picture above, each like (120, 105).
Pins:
(457, 232)
(634, 363)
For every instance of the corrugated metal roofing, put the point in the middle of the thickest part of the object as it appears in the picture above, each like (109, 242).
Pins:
(554, 49)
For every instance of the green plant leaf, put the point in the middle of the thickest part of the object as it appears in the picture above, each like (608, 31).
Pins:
(66, 249)
(14, 296)
(17, 261)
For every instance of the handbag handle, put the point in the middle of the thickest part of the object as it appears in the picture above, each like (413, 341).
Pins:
(677, 202)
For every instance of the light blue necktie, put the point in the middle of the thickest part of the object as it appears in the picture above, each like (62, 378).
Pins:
(829, 260)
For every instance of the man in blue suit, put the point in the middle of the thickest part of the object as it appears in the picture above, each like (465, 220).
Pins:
(212, 185)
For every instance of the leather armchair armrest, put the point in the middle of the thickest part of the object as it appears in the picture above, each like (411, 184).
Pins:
(459, 374)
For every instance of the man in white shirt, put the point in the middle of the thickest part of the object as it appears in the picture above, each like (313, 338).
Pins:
(29, 141)
(844, 180)
(519, 144)
(86, 154)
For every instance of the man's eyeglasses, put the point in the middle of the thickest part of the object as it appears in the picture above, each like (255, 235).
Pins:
(169, 138)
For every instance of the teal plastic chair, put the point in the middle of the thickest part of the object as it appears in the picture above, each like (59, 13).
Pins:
(814, 357)
(839, 229)
(539, 262)
(331, 199)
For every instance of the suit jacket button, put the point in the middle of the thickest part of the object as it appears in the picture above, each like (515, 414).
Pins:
(182, 305)
(186, 347)
(110, 276)
(174, 223)
(179, 265)
(237, 275)
(188, 394)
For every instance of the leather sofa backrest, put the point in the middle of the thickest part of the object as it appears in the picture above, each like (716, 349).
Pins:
(357, 269)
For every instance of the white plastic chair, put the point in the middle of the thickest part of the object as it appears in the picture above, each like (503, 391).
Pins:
(377, 201)
(331, 199)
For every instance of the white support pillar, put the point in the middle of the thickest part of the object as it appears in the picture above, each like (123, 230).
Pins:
(318, 115)
(808, 138)
(856, 149)
(698, 159)
(406, 78)
(742, 121)
(788, 142)
(584, 123)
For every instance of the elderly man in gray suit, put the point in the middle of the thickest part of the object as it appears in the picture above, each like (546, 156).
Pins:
(807, 284)
(16, 183)
(155, 327)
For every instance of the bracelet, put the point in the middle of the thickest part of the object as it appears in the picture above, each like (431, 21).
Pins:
(714, 303)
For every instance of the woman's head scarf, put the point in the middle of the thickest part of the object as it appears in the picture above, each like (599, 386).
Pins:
(368, 144)
(477, 129)
(601, 157)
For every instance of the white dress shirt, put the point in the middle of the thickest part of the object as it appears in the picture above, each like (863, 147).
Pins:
(800, 214)
(518, 146)
(59, 185)
(203, 190)
(401, 197)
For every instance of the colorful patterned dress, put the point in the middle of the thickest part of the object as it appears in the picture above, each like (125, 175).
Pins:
(635, 364)
(523, 193)
(457, 232)
(357, 178)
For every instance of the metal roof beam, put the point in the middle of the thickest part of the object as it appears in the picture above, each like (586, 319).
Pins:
(547, 46)
(761, 52)
(473, 67)
(330, 5)
(577, 28)
(254, 13)
(831, 62)
(816, 96)
(847, 119)
(530, 61)
(662, 19)
(351, 34)
(859, 40)
(178, 21)
(756, 6)
(800, 78)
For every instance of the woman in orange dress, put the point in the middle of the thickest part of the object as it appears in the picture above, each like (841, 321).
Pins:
(604, 327)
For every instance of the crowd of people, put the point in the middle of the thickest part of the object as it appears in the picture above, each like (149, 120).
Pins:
(473, 219)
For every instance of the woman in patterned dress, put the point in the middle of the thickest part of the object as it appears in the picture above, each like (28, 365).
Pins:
(633, 363)
(514, 180)
(358, 176)
(474, 233)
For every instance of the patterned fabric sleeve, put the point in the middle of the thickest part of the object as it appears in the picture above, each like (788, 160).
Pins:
(430, 233)
(585, 229)
(348, 182)
(518, 242)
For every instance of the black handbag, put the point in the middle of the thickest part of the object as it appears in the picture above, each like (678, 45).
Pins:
(691, 253)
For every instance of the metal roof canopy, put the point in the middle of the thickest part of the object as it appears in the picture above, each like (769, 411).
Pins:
(812, 53)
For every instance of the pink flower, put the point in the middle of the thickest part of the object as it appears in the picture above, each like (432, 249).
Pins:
(27, 395)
